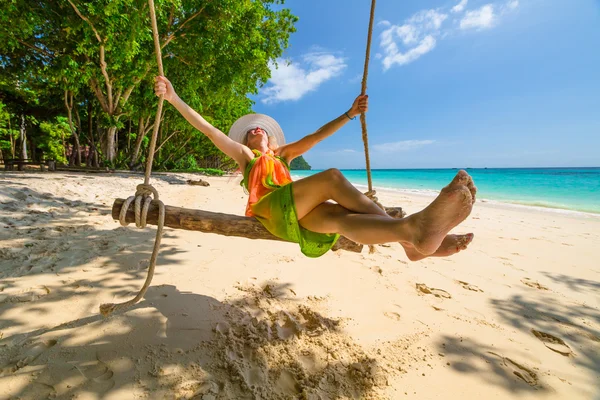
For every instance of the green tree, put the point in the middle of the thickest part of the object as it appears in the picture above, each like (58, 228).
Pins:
(8, 135)
(299, 163)
(215, 53)
(55, 134)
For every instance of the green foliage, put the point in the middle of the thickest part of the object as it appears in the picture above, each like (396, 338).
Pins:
(186, 163)
(52, 140)
(6, 130)
(216, 53)
(299, 163)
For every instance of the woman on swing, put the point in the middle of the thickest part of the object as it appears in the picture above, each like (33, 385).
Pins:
(301, 212)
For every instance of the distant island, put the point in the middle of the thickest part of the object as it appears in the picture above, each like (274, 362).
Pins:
(299, 164)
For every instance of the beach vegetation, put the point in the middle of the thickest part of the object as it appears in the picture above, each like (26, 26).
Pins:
(92, 65)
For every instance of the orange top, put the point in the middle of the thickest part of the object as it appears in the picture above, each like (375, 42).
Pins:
(265, 173)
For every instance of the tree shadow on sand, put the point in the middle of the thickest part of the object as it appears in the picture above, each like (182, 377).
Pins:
(469, 356)
(262, 343)
(568, 329)
(60, 253)
(575, 284)
(186, 345)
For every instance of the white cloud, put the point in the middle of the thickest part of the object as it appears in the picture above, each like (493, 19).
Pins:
(460, 6)
(424, 47)
(291, 81)
(403, 145)
(417, 36)
(428, 19)
(479, 19)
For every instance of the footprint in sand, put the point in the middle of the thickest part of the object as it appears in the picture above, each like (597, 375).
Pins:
(421, 287)
(522, 372)
(553, 343)
(392, 315)
(61, 378)
(468, 286)
(99, 375)
(30, 355)
(533, 284)
(31, 294)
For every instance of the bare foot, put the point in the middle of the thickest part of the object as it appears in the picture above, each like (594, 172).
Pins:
(451, 245)
(450, 208)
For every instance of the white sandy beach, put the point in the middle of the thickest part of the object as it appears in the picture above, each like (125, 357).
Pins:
(516, 316)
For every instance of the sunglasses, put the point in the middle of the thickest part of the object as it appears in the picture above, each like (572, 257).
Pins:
(254, 129)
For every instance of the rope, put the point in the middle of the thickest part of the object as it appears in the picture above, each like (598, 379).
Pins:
(145, 191)
(363, 119)
(160, 99)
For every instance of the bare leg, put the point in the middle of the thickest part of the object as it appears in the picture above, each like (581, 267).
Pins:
(423, 231)
(311, 191)
(361, 228)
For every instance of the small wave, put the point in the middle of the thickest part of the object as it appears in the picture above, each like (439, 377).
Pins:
(540, 204)
(546, 206)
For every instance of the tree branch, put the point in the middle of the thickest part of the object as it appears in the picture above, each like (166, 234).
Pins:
(165, 141)
(31, 46)
(129, 90)
(86, 20)
(96, 88)
(189, 19)
(118, 97)
(107, 80)
(172, 35)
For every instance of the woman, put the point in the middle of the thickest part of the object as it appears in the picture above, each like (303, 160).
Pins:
(301, 211)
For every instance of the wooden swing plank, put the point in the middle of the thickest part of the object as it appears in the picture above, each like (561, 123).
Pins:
(214, 222)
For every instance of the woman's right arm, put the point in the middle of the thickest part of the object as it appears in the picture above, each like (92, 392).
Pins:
(240, 153)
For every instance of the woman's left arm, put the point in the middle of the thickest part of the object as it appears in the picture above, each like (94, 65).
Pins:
(297, 148)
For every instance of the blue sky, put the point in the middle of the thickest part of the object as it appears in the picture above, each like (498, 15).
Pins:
(459, 83)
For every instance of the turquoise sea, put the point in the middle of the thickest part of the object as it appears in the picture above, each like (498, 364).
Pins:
(576, 189)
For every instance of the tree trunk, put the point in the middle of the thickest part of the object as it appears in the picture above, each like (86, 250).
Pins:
(78, 128)
(23, 138)
(69, 106)
(109, 144)
(217, 223)
(93, 155)
(142, 131)
(129, 137)
(12, 141)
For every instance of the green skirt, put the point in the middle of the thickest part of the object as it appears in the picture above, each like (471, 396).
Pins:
(277, 212)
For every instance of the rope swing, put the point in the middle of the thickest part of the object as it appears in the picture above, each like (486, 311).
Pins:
(144, 191)
(152, 211)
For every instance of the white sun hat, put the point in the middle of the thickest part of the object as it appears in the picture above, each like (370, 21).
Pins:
(240, 127)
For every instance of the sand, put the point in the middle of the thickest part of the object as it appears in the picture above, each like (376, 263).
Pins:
(515, 316)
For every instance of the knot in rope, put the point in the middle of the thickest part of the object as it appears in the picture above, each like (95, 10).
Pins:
(146, 190)
(143, 194)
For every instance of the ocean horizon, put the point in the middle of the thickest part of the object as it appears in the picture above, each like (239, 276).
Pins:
(559, 188)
